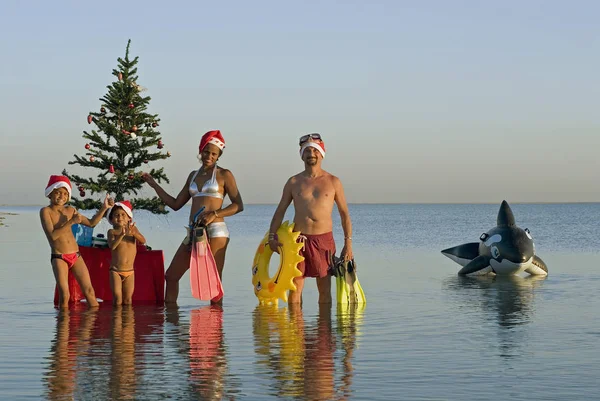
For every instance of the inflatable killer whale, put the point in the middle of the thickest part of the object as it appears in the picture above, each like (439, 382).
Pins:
(504, 250)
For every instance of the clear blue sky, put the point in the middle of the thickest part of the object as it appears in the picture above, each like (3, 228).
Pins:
(418, 101)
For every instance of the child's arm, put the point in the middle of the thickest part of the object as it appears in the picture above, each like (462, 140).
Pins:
(93, 222)
(137, 234)
(54, 233)
(114, 238)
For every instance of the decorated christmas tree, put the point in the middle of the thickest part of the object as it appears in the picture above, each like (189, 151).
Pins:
(125, 140)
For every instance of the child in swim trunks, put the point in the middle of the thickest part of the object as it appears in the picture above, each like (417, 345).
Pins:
(122, 240)
(57, 219)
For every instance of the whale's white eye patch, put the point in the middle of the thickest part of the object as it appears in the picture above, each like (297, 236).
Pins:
(494, 239)
(495, 252)
(528, 233)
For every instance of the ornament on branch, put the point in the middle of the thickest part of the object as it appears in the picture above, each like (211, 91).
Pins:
(81, 193)
(125, 131)
(154, 125)
(137, 87)
(92, 158)
(159, 145)
(89, 118)
(133, 135)
(111, 169)
(131, 176)
(120, 76)
(134, 128)
(81, 188)
(131, 106)
(102, 110)
(146, 161)
(168, 154)
(87, 146)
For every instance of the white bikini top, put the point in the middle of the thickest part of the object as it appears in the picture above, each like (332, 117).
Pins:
(210, 187)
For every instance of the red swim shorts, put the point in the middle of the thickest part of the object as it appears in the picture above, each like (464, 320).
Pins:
(318, 254)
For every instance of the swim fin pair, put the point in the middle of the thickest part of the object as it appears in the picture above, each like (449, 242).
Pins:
(204, 275)
(348, 287)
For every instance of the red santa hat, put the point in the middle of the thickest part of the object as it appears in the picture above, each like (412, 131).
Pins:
(320, 146)
(125, 205)
(58, 181)
(213, 137)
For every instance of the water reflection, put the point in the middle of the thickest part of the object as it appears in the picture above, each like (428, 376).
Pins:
(299, 358)
(349, 320)
(201, 355)
(510, 300)
(71, 344)
(99, 354)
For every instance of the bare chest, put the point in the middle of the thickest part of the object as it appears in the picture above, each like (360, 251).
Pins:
(314, 190)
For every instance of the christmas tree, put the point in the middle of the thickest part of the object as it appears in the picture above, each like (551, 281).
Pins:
(125, 139)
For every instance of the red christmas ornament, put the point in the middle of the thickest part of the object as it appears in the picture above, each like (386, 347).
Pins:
(81, 193)
(134, 128)
(92, 158)
(87, 146)
(125, 132)
(111, 169)
(131, 106)
(154, 125)
(89, 119)
(81, 188)
(131, 176)
(146, 161)
(102, 110)
(120, 76)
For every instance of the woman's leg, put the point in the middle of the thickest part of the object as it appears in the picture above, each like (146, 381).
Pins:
(179, 265)
(218, 246)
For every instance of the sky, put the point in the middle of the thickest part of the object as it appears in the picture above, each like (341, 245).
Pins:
(417, 101)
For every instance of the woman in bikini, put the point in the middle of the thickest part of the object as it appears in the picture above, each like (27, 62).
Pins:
(207, 188)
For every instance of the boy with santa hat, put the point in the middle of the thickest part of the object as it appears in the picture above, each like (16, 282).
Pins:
(122, 240)
(57, 219)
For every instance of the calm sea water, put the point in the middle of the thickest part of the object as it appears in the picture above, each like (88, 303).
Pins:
(425, 333)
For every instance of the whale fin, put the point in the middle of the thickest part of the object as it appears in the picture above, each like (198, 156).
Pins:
(505, 215)
(480, 262)
(463, 254)
(538, 267)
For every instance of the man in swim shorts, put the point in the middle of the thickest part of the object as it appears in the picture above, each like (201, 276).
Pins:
(314, 191)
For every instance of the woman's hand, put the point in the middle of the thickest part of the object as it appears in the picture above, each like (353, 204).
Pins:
(149, 179)
(207, 217)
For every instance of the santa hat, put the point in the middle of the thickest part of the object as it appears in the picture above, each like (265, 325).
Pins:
(320, 146)
(125, 205)
(58, 181)
(213, 137)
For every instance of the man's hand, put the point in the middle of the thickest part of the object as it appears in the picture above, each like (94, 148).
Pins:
(347, 253)
(274, 244)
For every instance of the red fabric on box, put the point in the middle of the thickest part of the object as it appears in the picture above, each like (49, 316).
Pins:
(149, 276)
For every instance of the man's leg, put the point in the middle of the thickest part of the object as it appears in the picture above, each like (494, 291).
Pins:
(324, 287)
(295, 297)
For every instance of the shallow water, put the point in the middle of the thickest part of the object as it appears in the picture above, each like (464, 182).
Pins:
(425, 333)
